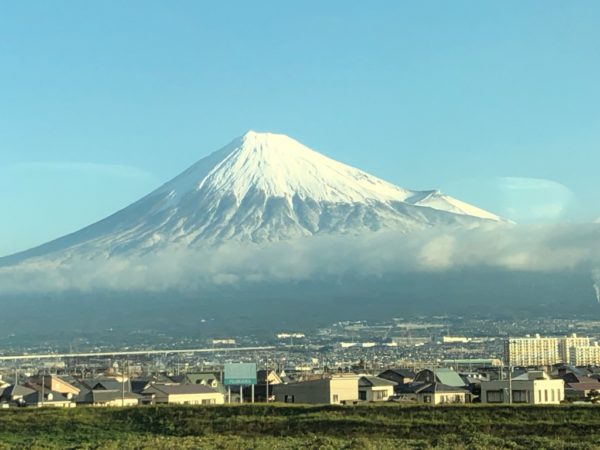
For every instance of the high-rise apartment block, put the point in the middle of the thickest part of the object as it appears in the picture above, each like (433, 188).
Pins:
(568, 343)
(588, 355)
(542, 351)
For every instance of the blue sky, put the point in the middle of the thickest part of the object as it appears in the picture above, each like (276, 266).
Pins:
(496, 103)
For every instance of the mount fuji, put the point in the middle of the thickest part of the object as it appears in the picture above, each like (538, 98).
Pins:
(267, 229)
(260, 188)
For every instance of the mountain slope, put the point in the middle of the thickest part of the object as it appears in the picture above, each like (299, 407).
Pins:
(261, 187)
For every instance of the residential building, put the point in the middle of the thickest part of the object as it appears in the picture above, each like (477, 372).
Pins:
(140, 384)
(432, 393)
(532, 387)
(107, 397)
(265, 380)
(184, 394)
(105, 383)
(441, 394)
(532, 351)
(471, 363)
(52, 399)
(398, 375)
(375, 389)
(338, 389)
(566, 344)
(55, 383)
(584, 355)
(210, 379)
(271, 376)
(15, 393)
(440, 375)
(579, 387)
(541, 351)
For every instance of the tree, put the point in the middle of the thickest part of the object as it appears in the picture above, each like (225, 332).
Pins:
(593, 396)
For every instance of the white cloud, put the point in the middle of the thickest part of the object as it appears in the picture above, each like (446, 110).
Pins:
(525, 248)
(533, 199)
(521, 199)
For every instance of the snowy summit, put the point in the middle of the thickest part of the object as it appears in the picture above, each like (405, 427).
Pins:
(263, 187)
(280, 166)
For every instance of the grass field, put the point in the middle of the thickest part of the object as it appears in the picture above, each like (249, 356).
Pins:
(271, 427)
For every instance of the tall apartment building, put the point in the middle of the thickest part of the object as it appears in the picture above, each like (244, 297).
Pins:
(541, 351)
(585, 355)
(531, 351)
(573, 341)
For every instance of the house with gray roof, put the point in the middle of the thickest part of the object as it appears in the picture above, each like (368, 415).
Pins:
(432, 393)
(398, 375)
(15, 393)
(48, 398)
(107, 397)
(209, 379)
(106, 383)
(374, 389)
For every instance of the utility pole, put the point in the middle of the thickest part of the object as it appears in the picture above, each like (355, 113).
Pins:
(509, 385)
(43, 379)
(122, 386)
(267, 379)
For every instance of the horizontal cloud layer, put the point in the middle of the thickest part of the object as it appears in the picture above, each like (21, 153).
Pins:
(521, 248)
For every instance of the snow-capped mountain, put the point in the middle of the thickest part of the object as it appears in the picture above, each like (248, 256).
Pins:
(262, 187)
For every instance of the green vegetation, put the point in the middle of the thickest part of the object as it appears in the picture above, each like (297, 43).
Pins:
(308, 427)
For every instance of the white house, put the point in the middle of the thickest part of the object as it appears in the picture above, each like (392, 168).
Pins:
(432, 393)
(184, 394)
(375, 389)
(533, 387)
(335, 390)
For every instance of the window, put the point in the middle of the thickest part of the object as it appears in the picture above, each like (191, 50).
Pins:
(380, 395)
(546, 395)
(335, 398)
(494, 397)
(552, 394)
(519, 396)
(362, 395)
(427, 399)
(209, 401)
